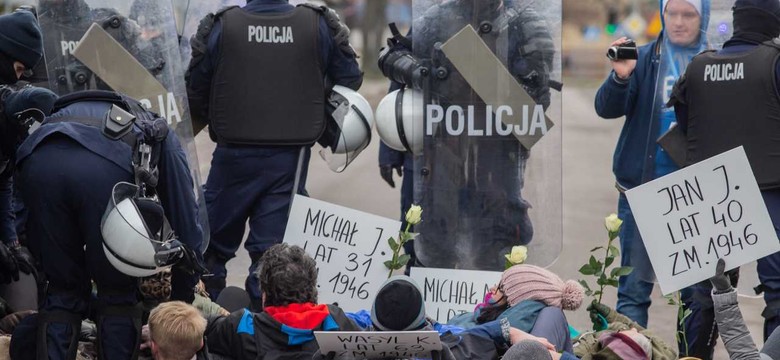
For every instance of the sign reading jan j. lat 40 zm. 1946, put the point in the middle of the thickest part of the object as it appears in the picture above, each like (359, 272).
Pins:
(692, 217)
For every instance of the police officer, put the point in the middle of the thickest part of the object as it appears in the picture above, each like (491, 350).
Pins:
(735, 103)
(21, 48)
(67, 172)
(477, 181)
(260, 75)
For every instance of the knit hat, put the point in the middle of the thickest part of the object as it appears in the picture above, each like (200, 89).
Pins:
(527, 350)
(529, 282)
(20, 38)
(625, 345)
(695, 3)
(398, 305)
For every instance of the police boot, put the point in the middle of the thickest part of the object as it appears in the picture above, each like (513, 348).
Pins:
(252, 284)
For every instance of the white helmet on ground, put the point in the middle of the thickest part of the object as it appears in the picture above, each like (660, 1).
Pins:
(349, 127)
(399, 120)
(137, 239)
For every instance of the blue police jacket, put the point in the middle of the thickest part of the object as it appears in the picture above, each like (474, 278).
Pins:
(340, 68)
(175, 186)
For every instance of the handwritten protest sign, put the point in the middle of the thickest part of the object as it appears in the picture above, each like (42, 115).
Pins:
(449, 292)
(379, 344)
(350, 248)
(691, 218)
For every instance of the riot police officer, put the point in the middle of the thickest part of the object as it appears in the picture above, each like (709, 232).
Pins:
(69, 170)
(258, 75)
(21, 48)
(707, 107)
(470, 186)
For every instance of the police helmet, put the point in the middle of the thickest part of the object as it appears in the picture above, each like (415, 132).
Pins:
(137, 239)
(349, 127)
(399, 120)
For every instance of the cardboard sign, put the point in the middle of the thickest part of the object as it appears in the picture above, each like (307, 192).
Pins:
(350, 248)
(691, 218)
(450, 292)
(379, 344)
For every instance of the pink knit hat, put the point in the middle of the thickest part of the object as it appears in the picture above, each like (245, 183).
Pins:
(528, 282)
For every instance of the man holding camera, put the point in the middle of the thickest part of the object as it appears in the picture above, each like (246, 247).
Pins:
(637, 88)
(728, 99)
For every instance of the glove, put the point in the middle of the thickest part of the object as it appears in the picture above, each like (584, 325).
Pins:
(386, 171)
(720, 281)
(189, 263)
(9, 269)
(599, 313)
(24, 260)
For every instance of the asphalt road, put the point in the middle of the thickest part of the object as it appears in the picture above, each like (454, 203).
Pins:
(587, 187)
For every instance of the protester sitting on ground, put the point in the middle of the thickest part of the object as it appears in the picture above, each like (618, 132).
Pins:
(399, 306)
(175, 331)
(533, 350)
(285, 328)
(736, 337)
(622, 339)
(532, 299)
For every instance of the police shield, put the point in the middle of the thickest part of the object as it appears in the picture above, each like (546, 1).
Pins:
(126, 46)
(489, 175)
(189, 13)
(705, 25)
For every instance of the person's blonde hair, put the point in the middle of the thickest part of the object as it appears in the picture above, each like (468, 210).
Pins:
(177, 329)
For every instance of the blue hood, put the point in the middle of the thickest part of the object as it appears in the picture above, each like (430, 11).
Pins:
(705, 22)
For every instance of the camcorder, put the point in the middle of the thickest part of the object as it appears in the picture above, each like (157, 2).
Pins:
(624, 51)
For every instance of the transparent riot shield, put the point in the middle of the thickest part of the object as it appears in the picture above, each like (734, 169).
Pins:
(677, 48)
(126, 46)
(489, 175)
(189, 13)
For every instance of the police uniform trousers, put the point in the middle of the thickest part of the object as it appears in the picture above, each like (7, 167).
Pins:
(66, 188)
(248, 183)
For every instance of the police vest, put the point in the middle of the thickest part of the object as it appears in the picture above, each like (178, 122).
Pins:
(268, 87)
(733, 101)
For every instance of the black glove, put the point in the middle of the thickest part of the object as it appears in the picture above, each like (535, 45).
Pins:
(24, 260)
(9, 269)
(720, 281)
(189, 263)
(386, 171)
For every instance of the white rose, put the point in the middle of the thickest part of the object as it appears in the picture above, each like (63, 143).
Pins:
(612, 223)
(518, 255)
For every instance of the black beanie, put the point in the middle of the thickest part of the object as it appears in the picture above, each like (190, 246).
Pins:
(756, 20)
(398, 305)
(20, 38)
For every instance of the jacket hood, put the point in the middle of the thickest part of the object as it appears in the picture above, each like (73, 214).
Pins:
(295, 324)
(704, 14)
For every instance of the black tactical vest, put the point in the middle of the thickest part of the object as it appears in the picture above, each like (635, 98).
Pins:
(268, 87)
(733, 101)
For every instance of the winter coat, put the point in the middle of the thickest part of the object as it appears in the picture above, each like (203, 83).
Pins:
(587, 345)
(276, 333)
